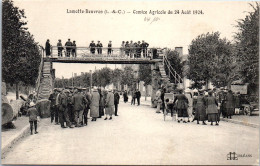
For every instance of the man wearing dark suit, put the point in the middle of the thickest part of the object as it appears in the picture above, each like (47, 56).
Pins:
(60, 48)
(109, 50)
(48, 48)
(63, 109)
(99, 47)
(116, 99)
(68, 45)
(144, 46)
(73, 50)
(87, 96)
(138, 49)
(92, 47)
(78, 101)
(138, 96)
(52, 98)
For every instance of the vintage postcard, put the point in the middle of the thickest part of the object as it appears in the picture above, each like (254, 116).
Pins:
(130, 82)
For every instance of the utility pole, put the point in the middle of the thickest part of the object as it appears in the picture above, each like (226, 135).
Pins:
(90, 80)
(72, 79)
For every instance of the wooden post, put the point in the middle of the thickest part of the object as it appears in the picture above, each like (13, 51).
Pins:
(17, 90)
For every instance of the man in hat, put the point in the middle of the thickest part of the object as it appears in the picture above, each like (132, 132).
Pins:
(68, 45)
(138, 49)
(116, 98)
(48, 48)
(131, 45)
(78, 101)
(73, 51)
(109, 50)
(87, 96)
(99, 47)
(144, 46)
(53, 106)
(92, 47)
(109, 105)
(33, 114)
(60, 48)
(70, 106)
(63, 110)
(138, 96)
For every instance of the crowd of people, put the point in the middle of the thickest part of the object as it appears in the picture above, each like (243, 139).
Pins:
(71, 106)
(129, 49)
(200, 106)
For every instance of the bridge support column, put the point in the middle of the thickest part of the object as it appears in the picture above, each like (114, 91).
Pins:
(156, 83)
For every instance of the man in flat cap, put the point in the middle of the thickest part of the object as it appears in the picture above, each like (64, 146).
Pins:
(68, 45)
(78, 101)
(92, 47)
(60, 48)
(99, 47)
(63, 110)
(109, 50)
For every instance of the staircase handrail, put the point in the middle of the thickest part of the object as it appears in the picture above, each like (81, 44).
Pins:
(38, 81)
(171, 70)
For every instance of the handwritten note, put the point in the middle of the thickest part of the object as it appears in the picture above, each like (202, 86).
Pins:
(151, 19)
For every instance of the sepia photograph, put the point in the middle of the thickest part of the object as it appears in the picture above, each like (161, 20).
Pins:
(125, 82)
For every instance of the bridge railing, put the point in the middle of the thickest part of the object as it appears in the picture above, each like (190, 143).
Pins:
(38, 81)
(103, 53)
(172, 73)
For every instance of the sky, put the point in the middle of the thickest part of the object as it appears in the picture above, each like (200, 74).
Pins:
(53, 20)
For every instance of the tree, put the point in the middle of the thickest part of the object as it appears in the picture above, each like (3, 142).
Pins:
(128, 76)
(210, 59)
(102, 77)
(21, 55)
(116, 77)
(247, 46)
(145, 74)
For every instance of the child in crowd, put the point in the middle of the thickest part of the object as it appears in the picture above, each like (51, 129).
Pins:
(33, 113)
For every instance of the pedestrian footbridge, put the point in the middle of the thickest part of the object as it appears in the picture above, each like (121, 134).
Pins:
(104, 56)
(163, 74)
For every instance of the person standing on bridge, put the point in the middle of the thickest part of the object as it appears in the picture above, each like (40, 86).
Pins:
(74, 49)
(122, 49)
(144, 47)
(48, 48)
(92, 47)
(131, 45)
(127, 49)
(99, 47)
(68, 45)
(60, 48)
(138, 49)
(109, 50)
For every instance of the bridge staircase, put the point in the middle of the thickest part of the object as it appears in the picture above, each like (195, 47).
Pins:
(45, 80)
(170, 78)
